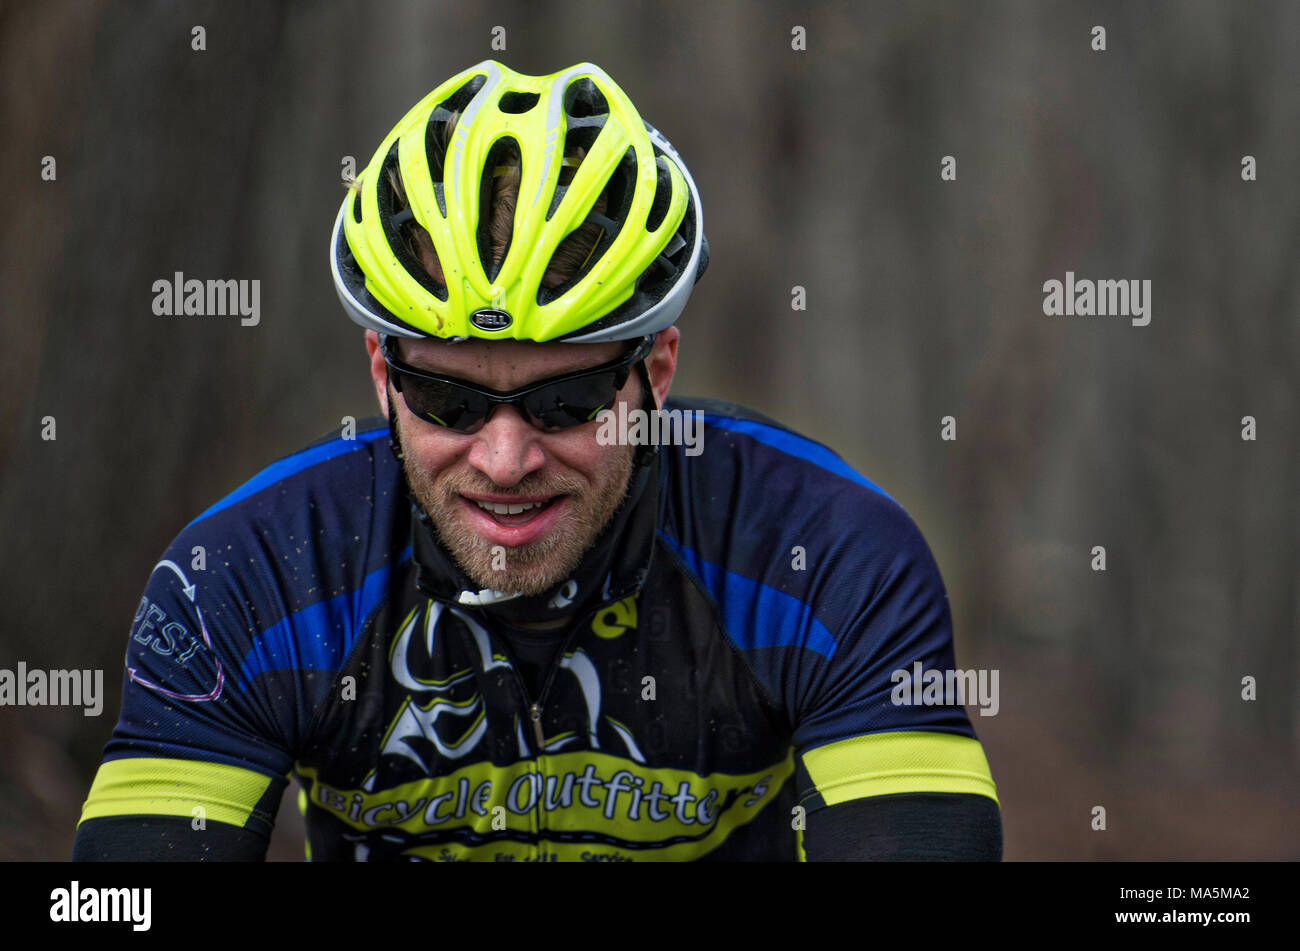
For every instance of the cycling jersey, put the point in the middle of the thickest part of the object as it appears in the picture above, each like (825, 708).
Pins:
(732, 676)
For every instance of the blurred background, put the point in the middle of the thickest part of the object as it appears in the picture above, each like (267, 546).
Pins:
(818, 168)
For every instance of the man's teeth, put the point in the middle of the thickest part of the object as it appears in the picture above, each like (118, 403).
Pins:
(500, 508)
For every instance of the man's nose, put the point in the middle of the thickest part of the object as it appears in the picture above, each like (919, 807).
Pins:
(507, 448)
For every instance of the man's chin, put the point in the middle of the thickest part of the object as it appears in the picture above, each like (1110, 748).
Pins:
(541, 563)
(527, 570)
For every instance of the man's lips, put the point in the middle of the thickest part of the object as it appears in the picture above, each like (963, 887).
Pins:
(509, 499)
(518, 529)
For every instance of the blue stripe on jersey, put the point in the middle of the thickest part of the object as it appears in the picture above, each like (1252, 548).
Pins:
(294, 464)
(754, 614)
(303, 641)
(795, 445)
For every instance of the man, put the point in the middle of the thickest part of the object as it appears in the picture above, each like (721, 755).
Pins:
(508, 621)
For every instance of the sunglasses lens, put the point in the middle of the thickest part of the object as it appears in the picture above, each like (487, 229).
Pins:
(574, 402)
(444, 403)
(564, 404)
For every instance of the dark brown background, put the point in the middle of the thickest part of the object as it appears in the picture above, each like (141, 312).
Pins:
(818, 168)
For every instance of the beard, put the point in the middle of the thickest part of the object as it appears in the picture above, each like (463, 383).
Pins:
(535, 567)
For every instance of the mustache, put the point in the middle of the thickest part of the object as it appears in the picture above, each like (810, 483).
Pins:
(531, 486)
(452, 485)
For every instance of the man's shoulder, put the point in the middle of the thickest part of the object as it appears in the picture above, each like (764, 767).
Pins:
(722, 410)
(348, 468)
(316, 524)
(763, 512)
(820, 579)
(281, 572)
(766, 474)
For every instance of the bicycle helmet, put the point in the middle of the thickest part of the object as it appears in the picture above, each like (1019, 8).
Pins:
(639, 273)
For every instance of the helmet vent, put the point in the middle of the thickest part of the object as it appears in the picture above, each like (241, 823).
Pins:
(406, 237)
(458, 100)
(517, 103)
(582, 98)
(436, 136)
(663, 196)
(438, 131)
(578, 139)
(498, 195)
(666, 269)
(583, 247)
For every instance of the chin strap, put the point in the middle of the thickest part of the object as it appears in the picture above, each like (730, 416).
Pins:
(649, 451)
(395, 442)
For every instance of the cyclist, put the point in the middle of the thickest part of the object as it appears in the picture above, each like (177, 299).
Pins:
(498, 623)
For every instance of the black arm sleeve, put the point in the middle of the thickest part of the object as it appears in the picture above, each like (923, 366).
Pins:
(165, 838)
(914, 827)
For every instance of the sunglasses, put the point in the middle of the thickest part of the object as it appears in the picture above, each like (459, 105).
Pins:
(551, 405)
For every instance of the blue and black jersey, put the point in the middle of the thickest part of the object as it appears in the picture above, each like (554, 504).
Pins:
(730, 678)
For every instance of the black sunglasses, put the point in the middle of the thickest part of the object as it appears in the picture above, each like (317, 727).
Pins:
(560, 402)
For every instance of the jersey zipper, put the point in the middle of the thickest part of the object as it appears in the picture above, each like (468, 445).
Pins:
(535, 707)
(535, 713)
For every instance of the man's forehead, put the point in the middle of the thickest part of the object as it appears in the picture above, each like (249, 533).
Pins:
(516, 356)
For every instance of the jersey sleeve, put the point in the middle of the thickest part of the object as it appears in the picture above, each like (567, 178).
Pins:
(882, 711)
(912, 827)
(195, 740)
(825, 585)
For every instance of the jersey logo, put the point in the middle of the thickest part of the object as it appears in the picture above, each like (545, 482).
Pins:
(455, 700)
(169, 638)
(460, 775)
(448, 718)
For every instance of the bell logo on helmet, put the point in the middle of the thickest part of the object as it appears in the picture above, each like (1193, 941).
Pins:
(489, 319)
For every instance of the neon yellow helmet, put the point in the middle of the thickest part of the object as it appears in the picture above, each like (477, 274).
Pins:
(635, 281)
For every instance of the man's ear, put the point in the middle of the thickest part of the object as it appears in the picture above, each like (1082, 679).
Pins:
(378, 370)
(662, 363)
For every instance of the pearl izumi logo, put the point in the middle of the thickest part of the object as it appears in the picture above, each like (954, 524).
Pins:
(1087, 298)
(102, 904)
(490, 319)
